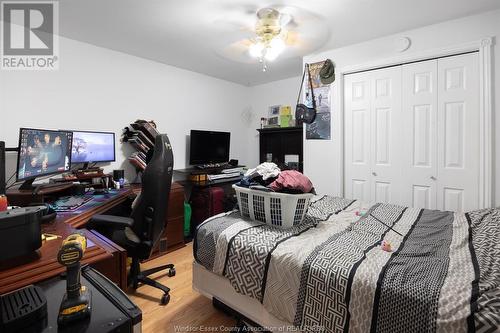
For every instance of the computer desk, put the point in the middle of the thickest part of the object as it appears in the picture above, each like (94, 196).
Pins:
(102, 254)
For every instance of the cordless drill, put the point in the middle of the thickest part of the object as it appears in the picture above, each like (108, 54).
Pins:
(76, 302)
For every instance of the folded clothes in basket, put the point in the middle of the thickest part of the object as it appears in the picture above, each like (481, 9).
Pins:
(260, 188)
(257, 181)
(292, 181)
(266, 170)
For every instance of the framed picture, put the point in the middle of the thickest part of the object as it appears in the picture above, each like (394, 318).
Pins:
(274, 111)
(273, 118)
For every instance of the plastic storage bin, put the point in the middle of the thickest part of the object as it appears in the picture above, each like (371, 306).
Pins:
(278, 209)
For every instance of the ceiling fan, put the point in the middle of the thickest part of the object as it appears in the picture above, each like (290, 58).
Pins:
(271, 35)
(269, 32)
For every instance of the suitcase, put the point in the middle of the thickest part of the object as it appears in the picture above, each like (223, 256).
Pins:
(205, 203)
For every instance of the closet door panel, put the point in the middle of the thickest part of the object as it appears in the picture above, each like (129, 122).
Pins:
(357, 136)
(385, 134)
(419, 138)
(458, 133)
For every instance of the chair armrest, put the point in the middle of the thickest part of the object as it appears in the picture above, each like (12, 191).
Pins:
(109, 222)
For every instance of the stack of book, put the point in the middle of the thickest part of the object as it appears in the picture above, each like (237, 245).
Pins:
(141, 135)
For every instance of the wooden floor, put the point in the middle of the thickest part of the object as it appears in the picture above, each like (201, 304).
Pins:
(187, 311)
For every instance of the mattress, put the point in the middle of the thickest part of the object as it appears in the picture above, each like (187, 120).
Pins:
(331, 273)
(212, 285)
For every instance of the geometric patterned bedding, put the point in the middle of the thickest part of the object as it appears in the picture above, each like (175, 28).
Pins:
(329, 274)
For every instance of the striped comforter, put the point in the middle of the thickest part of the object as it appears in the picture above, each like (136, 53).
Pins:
(329, 274)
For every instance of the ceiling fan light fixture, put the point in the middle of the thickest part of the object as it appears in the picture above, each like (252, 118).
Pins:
(269, 43)
(277, 45)
(271, 55)
(256, 50)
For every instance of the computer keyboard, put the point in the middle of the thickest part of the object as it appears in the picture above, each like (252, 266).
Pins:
(212, 166)
(70, 203)
(232, 170)
(223, 176)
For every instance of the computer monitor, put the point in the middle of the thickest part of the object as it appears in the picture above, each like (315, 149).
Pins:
(41, 153)
(209, 147)
(93, 147)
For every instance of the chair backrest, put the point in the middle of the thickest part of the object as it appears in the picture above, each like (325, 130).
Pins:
(150, 212)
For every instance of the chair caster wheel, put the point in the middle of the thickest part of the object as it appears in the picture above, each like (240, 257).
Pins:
(171, 272)
(165, 299)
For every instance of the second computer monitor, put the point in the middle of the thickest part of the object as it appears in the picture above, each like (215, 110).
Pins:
(93, 147)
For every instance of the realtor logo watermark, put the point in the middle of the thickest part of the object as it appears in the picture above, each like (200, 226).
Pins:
(29, 35)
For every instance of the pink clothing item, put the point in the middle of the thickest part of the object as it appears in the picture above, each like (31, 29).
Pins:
(292, 180)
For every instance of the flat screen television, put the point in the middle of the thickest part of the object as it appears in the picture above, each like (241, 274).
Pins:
(93, 147)
(209, 147)
(41, 153)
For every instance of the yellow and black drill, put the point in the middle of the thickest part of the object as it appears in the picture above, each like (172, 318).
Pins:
(76, 302)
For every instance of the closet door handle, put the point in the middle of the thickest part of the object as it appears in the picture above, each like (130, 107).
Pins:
(433, 178)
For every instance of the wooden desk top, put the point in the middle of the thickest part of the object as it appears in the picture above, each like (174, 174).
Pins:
(47, 266)
(79, 218)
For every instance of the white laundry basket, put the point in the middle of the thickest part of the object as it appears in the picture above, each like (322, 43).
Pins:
(278, 209)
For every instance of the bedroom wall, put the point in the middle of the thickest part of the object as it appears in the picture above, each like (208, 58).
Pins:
(261, 97)
(322, 157)
(100, 89)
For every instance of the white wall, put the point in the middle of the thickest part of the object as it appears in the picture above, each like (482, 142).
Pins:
(100, 89)
(282, 92)
(322, 157)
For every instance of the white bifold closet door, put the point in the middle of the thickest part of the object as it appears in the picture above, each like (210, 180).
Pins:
(412, 134)
(420, 141)
(372, 145)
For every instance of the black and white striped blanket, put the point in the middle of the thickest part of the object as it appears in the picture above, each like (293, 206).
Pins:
(329, 274)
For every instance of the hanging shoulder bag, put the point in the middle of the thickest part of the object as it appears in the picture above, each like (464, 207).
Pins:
(303, 113)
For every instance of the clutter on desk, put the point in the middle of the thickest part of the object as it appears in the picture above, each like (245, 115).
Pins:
(48, 237)
(28, 315)
(119, 176)
(76, 302)
(20, 232)
(3, 203)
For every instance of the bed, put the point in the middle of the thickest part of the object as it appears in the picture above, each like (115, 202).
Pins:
(330, 273)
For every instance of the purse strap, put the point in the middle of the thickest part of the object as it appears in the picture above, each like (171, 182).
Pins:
(306, 67)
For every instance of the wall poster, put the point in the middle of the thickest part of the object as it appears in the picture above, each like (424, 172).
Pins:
(320, 129)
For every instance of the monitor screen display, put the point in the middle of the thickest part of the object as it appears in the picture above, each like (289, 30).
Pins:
(43, 152)
(93, 147)
(209, 147)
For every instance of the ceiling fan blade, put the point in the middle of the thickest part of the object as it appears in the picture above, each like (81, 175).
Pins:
(303, 31)
(230, 7)
(237, 51)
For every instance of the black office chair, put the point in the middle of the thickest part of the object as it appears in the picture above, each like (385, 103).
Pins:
(141, 231)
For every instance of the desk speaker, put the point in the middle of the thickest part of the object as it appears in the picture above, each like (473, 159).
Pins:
(2, 167)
